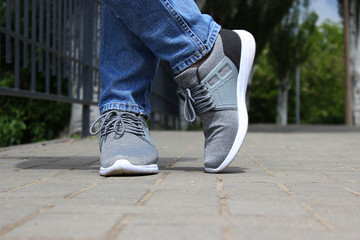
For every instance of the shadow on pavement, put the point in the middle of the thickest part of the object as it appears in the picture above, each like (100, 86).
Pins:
(58, 162)
(228, 170)
(171, 164)
(93, 163)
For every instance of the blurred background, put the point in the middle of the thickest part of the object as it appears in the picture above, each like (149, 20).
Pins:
(306, 70)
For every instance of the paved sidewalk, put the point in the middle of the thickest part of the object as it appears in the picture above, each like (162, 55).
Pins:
(281, 186)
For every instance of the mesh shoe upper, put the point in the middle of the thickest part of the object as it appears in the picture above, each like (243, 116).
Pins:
(211, 92)
(124, 135)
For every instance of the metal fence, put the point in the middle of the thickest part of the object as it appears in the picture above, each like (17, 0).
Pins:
(51, 49)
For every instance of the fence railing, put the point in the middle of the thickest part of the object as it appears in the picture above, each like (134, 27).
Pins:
(51, 49)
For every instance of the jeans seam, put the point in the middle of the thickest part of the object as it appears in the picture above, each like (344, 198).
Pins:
(124, 107)
(212, 36)
(201, 46)
(211, 40)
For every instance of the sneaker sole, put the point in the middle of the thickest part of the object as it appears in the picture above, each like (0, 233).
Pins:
(246, 62)
(124, 167)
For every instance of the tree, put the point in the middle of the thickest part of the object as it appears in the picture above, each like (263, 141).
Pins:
(353, 23)
(264, 91)
(323, 75)
(258, 17)
(289, 46)
(322, 81)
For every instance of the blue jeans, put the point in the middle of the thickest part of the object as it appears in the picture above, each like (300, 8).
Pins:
(135, 35)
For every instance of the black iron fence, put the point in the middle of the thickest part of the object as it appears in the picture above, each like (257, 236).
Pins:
(51, 49)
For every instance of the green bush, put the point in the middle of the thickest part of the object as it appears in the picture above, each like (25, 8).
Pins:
(25, 120)
(29, 120)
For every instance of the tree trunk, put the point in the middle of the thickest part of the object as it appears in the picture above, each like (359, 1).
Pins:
(248, 91)
(282, 101)
(355, 79)
(354, 30)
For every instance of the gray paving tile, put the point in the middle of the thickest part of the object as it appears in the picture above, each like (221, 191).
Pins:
(292, 185)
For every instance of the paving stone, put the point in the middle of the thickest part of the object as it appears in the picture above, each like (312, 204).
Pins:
(282, 185)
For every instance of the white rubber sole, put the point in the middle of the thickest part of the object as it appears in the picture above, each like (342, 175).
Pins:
(124, 167)
(246, 62)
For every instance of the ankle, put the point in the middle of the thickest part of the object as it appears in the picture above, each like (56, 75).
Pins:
(199, 62)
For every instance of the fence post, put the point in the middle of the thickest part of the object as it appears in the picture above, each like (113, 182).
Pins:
(88, 26)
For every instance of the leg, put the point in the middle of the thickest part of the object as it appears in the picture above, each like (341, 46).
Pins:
(177, 32)
(214, 89)
(127, 68)
(132, 40)
(174, 30)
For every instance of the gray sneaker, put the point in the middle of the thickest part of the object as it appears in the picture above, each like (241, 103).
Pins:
(126, 147)
(215, 92)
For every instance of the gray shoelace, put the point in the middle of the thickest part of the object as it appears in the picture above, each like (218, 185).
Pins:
(118, 122)
(196, 101)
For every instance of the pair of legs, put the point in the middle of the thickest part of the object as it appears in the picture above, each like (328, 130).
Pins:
(135, 35)
(207, 62)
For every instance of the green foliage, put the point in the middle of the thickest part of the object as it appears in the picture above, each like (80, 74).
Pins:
(323, 93)
(264, 91)
(28, 120)
(289, 44)
(289, 47)
(322, 82)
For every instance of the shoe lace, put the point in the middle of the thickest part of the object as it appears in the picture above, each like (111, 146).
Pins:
(196, 101)
(118, 122)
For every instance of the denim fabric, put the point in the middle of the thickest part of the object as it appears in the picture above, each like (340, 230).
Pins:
(135, 35)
